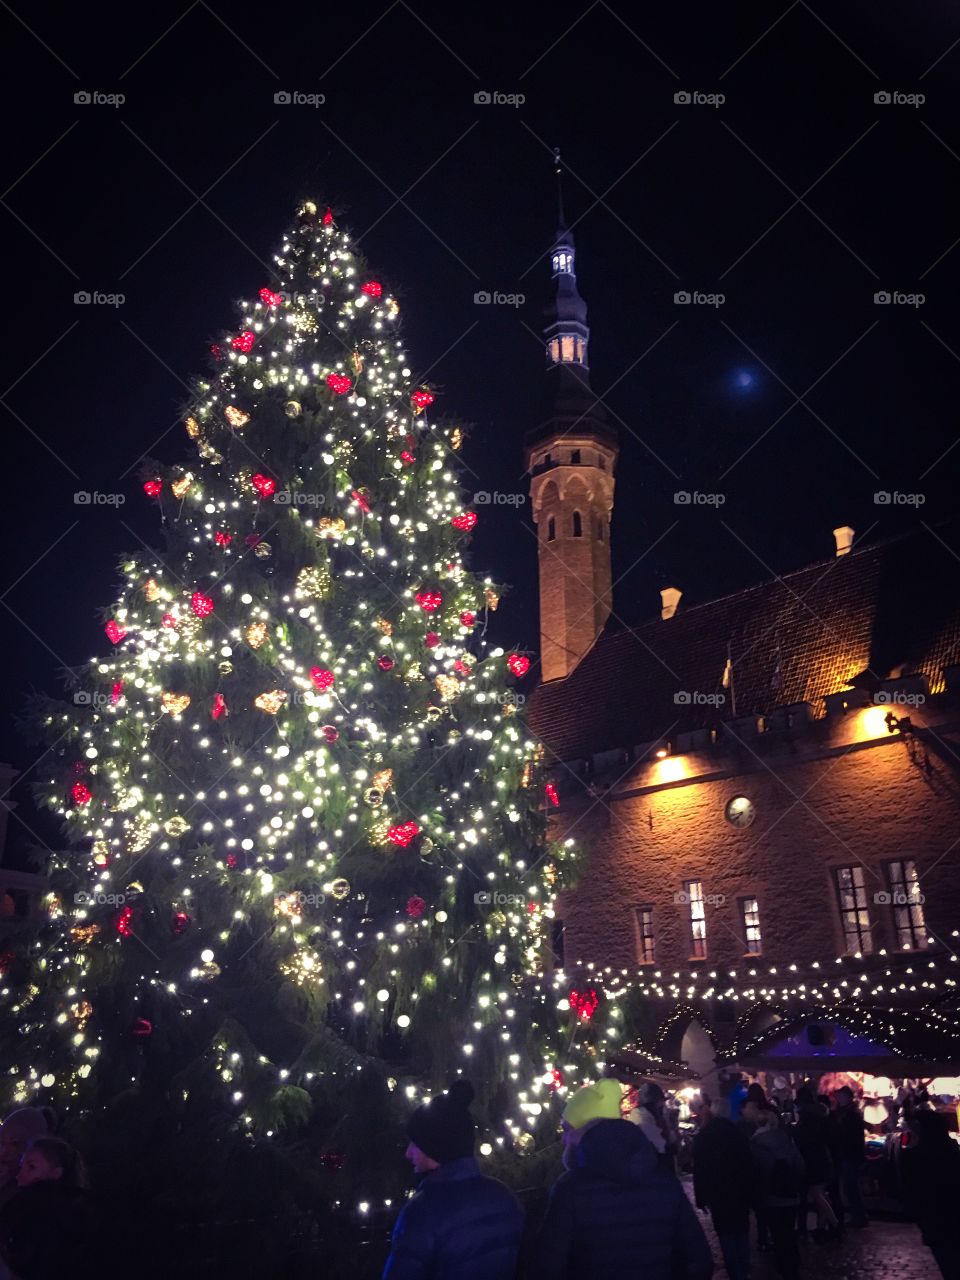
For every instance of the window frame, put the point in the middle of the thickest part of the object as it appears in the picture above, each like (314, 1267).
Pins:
(905, 913)
(645, 932)
(745, 911)
(854, 927)
(696, 900)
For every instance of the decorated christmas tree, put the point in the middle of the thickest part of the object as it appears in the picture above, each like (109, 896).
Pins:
(308, 877)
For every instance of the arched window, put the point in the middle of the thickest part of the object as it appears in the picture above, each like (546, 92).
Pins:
(577, 525)
(551, 529)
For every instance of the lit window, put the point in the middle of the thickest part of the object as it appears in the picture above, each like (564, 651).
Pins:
(646, 943)
(693, 896)
(553, 347)
(577, 525)
(562, 263)
(551, 529)
(750, 913)
(567, 347)
(852, 897)
(907, 902)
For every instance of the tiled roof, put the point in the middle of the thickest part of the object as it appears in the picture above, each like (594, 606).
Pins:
(881, 611)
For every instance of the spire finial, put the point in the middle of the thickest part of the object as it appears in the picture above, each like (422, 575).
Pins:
(558, 170)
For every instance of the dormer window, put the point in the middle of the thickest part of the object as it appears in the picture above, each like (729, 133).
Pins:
(562, 262)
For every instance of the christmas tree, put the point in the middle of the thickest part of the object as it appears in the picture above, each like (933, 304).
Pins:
(308, 874)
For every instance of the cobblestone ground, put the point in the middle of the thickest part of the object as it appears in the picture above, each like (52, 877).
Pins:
(883, 1251)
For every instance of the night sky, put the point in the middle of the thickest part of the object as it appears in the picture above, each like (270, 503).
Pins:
(798, 198)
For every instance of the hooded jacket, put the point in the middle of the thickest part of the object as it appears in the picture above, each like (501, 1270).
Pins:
(616, 1215)
(460, 1225)
(723, 1174)
(779, 1170)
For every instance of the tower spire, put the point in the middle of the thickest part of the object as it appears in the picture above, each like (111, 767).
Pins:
(558, 170)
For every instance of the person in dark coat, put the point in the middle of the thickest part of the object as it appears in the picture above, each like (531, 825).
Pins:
(460, 1224)
(931, 1181)
(778, 1177)
(45, 1225)
(16, 1133)
(811, 1133)
(615, 1214)
(722, 1179)
(849, 1144)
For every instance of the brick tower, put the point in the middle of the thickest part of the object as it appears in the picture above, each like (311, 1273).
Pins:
(571, 458)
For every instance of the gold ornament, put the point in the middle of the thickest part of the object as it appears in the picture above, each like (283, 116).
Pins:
(550, 873)
(313, 581)
(193, 428)
(413, 674)
(526, 777)
(447, 686)
(343, 450)
(304, 321)
(271, 701)
(379, 830)
(434, 713)
(331, 527)
(340, 889)
(393, 308)
(508, 709)
(80, 1012)
(225, 668)
(263, 551)
(151, 589)
(492, 599)
(208, 452)
(456, 437)
(177, 825)
(373, 797)
(293, 408)
(101, 852)
(236, 417)
(208, 970)
(426, 844)
(175, 704)
(384, 626)
(288, 904)
(523, 1144)
(383, 779)
(188, 627)
(140, 834)
(181, 487)
(256, 634)
(356, 360)
(308, 209)
(84, 933)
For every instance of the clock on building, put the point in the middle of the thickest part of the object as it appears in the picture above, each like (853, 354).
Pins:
(739, 811)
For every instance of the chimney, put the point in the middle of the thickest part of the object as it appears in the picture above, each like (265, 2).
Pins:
(669, 599)
(844, 537)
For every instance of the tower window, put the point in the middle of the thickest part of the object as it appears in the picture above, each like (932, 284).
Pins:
(575, 457)
(693, 896)
(563, 263)
(551, 529)
(577, 525)
(852, 897)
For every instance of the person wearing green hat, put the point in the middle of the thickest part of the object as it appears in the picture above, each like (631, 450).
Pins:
(615, 1213)
(460, 1224)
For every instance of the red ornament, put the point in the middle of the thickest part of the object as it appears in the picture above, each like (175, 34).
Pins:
(416, 907)
(264, 485)
(116, 693)
(385, 662)
(556, 1080)
(339, 383)
(431, 639)
(429, 601)
(468, 619)
(550, 791)
(407, 457)
(243, 341)
(142, 1028)
(123, 922)
(222, 539)
(215, 351)
(328, 217)
(420, 400)
(81, 793)
(373, 288)
(115, 632)
(169, 621)
(402, 834)
(153, 488)
(269, 298)
(201, 605)
(518, 664)
(219, 707)
(322, 678)
(462, 668)
(330, 732)
(231, 860)
(180, 923)
(584, 1004)
(465, 521)
(361, 498)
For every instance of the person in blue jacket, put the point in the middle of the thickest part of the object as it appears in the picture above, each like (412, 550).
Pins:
(615, 1214)
(460, 1224)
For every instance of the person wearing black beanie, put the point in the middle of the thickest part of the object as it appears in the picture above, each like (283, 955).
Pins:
(460, 1224)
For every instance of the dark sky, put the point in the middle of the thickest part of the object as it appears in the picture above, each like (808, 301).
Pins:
(798, 198)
